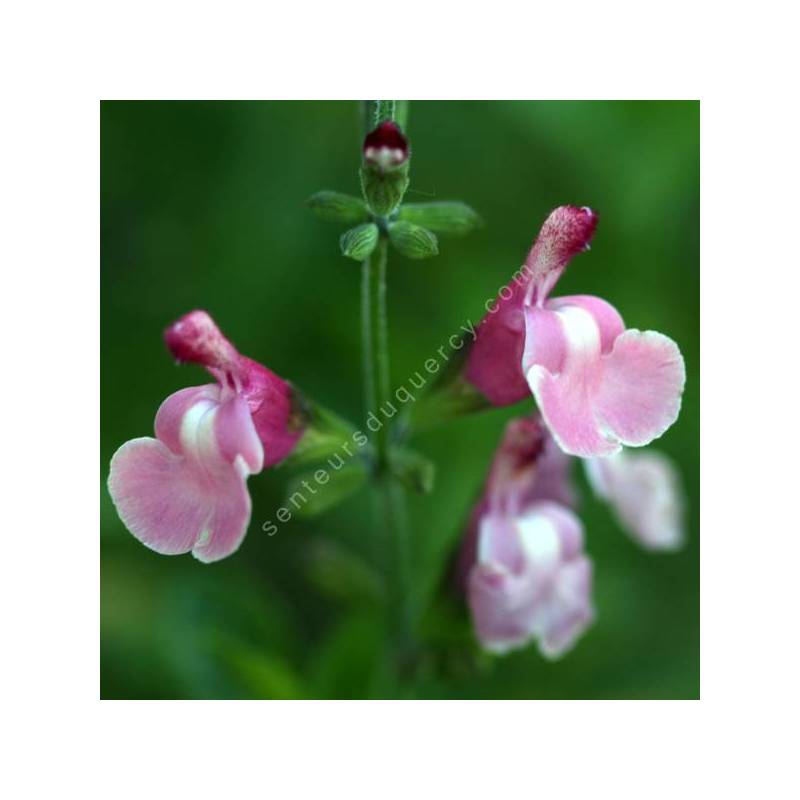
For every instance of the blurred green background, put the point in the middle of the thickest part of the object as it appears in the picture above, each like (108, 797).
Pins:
(203, 207)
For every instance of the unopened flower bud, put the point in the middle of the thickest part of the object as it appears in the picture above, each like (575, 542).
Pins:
(385, 148)
(413, 241)
(384, 171)
(359, 242)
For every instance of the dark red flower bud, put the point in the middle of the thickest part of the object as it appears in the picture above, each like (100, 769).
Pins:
(385, 147)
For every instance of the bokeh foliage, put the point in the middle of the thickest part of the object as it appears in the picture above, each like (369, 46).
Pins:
(203, 206)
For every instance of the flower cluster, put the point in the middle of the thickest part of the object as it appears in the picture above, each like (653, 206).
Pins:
(598, 387)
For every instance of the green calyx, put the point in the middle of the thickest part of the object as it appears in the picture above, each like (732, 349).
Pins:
(451, 217)
(338, 207)
(359, 242)
(384, 188)
(413, 241)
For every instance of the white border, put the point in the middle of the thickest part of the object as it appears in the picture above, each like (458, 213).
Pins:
(59, 59)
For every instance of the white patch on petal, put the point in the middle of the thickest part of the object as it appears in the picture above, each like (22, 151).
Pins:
(197, 431)
(582, 334)
(540, 539)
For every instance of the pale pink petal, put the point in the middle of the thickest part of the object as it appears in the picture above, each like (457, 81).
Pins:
(502, 606)
(158, 496)
(170, 415)
(568, 610)
(227, 525)
(608, 319)
(173, 507)
(531, 580)
(196, 498)
(545, 340)
(236, 434)
(639, 395)
(566, 524)
(644, 489)
(592, 402)
(499, 542)
(564, 391)
(566, 405)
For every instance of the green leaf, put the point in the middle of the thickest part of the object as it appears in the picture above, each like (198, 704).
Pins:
(413, 241)
(325, 432)
(348, 661)
(449, 401)
(359, 242)
(453, 218)
(338, 207)
(314, 492)
(415, 471)
(262, 675)
(384, 189)
(341, 574)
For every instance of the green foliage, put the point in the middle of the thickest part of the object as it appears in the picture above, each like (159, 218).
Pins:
(338, 207)
(186, 190)
(416, 472)
(358, 243)
(454, 218)
(413, 241)
(325, 488)
(324, 432)
(384, 189)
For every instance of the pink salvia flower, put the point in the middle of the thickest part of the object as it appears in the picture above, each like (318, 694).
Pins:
(597, 385)
(528, 579)
(645, 492)
(186, 489)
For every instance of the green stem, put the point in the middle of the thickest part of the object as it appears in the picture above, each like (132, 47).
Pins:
(390, 500)
(389, 494)
(377, 111)
(376, 346)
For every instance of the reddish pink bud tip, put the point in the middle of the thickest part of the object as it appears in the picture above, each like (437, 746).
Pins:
(195, 337)
(565, 233)
(568, 231)
(386, 146)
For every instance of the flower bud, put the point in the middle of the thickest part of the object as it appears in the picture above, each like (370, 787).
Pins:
(384, 171)
(338, 207)
(359, 242)
(385, 148)
(413, 241)
(451, 217)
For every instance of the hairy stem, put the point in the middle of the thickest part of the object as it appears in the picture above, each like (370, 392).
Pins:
(389, 494)
(376, 347)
